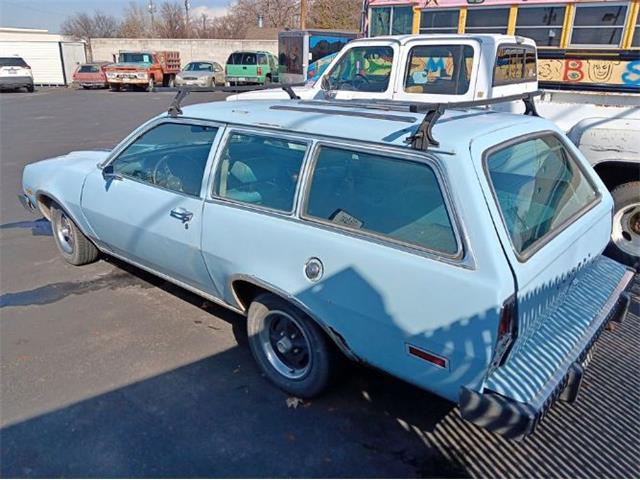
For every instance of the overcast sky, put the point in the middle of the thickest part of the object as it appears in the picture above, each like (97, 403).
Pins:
(49, 14)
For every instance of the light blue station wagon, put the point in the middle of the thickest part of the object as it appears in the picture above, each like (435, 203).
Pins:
(472, 269)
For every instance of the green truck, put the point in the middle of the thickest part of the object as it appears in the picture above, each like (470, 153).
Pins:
(251, 68)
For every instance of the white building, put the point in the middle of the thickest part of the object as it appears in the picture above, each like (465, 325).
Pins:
(52, 58)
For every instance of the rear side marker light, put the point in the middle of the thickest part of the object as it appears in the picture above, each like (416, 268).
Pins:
(428, 357)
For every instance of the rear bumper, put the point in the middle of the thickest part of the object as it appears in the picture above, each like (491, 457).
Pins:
(516, 420)
(15, 82)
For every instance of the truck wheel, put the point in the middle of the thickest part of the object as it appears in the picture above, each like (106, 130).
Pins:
(151, 86)
(73, 245)
(172, 81)
(291, 350)
(115, 87)
(625, 234)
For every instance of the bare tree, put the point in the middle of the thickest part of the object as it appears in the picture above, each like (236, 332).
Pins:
(85, 27)
(335, 14)
(172, 21)
(276, 13)
(136, 23)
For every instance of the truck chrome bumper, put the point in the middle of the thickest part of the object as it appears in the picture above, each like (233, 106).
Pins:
(516, 420)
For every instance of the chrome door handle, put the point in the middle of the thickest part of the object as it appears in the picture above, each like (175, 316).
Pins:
(181, 214)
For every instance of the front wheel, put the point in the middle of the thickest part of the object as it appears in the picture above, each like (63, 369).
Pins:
(73, 245)
(290, 348)
(625, 234)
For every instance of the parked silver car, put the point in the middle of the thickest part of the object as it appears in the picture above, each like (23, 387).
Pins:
(201, 74)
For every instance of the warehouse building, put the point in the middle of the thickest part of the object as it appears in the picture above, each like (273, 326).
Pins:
(53, 58)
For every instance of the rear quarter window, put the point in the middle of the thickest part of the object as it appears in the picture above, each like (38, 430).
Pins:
(515, 64)
(398, 199)
(538, 187)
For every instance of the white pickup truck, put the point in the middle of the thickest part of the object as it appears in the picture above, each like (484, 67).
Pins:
(453, 68)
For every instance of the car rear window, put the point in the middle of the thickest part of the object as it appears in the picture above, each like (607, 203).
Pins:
(539, 187)
(12, 62)
(398, 199)
(242, 58)
(439, 69)
(89, 69)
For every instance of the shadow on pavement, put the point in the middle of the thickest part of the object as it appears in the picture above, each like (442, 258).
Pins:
(218, 417)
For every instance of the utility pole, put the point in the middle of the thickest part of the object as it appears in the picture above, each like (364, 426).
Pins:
(303, 14)
(152, 10)
(187, 5)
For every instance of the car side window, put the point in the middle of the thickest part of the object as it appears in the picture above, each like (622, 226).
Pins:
(170, 155)
(260, 170)
(394, 198)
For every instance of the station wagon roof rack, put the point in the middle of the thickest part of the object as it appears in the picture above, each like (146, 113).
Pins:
(423, 138)
(175, 107)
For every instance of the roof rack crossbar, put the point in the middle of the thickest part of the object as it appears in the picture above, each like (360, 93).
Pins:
(175, 107)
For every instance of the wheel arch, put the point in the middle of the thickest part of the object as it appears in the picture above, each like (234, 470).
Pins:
(44, 202)
(615, 172)
(246, 288)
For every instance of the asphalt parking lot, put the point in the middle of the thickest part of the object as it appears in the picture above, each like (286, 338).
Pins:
(107, 371)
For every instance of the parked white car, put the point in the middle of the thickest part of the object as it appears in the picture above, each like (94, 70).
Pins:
(15, 74)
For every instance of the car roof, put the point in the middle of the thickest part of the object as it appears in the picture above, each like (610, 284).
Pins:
(492, 38)
(375, 125)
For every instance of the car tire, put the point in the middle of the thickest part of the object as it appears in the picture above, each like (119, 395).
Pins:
(303, 360)
(74, 247)
(625, 234)
(114, 87)
(172, 82)
(30, 88)
(151, 85)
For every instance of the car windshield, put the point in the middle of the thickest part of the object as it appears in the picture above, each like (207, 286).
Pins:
(12, 62)
(88, 69)
(135, 58)
(242, 58)
(439, 69)
(365, 69)
(199, 67)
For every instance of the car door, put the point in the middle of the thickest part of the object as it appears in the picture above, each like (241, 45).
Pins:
(146, 205)
(391, 274)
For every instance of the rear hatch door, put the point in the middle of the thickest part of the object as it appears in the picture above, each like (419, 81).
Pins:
(553, 218)
(14, 67)
(242, 65)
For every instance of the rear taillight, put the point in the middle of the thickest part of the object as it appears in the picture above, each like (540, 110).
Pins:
(507, 331)
(259, 71)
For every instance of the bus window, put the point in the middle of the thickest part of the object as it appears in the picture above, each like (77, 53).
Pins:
(636, 37)
(514, 64)
(439, 69)
(598, 24)
(439, 21)
(487, 20)
(391, 21)
(542, 24)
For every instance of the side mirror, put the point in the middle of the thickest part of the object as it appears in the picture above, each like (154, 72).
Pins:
(108, 173)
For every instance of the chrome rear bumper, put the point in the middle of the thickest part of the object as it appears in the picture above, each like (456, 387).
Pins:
(516, 420)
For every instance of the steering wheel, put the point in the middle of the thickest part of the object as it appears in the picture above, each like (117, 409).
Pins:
(359, 80)
(163, 177)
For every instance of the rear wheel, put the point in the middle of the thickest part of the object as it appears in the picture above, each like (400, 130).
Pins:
(172, 81)
(290, 348)
(73, 245)
(115, 87)
(625, 234)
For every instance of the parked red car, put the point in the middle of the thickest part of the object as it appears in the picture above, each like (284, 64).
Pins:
(91, 75)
